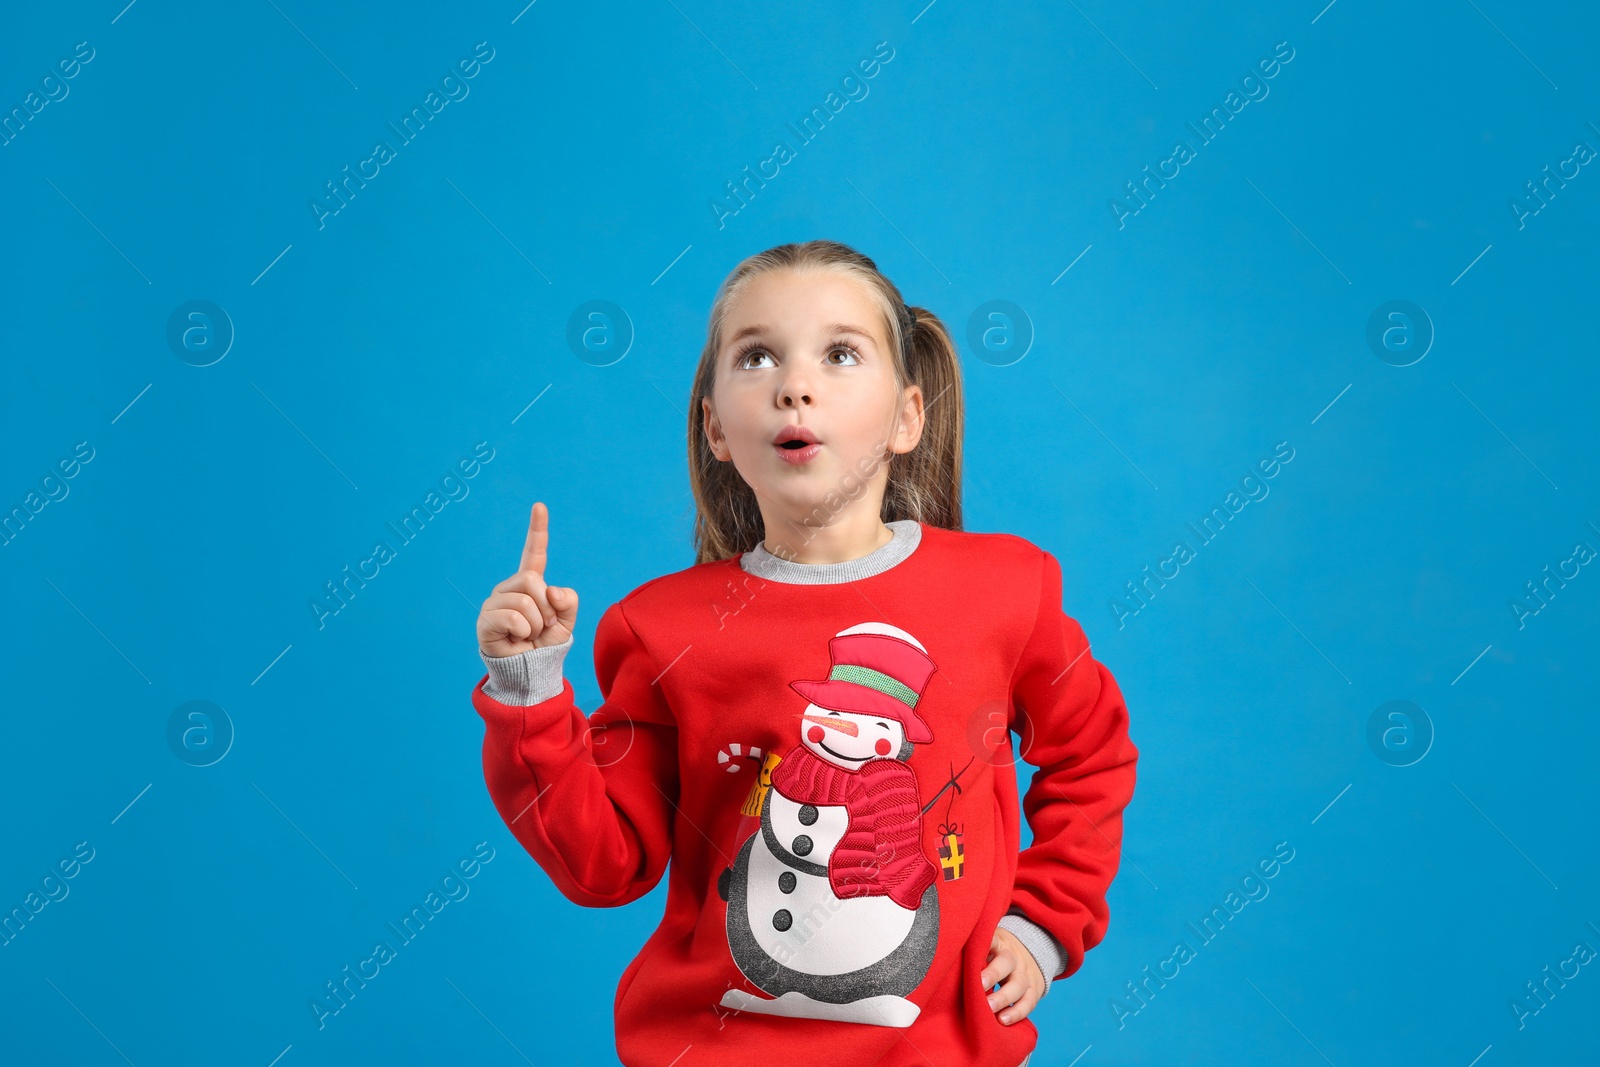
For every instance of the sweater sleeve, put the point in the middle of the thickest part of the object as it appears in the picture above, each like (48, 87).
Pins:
(591, 797)
(528, 677)
(1070, 715)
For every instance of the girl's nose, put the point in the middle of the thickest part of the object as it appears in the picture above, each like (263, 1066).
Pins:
(794, 389)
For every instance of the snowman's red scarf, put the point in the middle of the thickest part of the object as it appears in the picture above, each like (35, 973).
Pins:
(880, 853)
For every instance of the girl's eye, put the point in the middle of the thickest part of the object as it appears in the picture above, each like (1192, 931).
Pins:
(741, 358)
(747, 351)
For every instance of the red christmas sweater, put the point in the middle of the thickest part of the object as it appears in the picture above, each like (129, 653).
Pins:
(831, 770)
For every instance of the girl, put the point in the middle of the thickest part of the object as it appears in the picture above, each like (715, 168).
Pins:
(813, 722)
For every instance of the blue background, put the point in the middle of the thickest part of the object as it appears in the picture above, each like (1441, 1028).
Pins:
(373, 351)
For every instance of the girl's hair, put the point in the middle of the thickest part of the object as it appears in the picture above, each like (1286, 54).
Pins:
(924, 484)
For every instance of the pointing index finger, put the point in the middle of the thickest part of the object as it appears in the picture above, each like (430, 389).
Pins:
(533, 549)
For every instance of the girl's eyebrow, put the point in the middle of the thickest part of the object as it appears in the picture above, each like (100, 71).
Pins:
(746, 332)
(844, 327)
(833, 327)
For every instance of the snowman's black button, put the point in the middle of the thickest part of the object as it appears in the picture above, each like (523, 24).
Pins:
(801, 846)
(782, 920)
(808, 814)
(786, 882)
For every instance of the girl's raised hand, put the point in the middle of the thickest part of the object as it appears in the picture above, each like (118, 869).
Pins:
(523, 612)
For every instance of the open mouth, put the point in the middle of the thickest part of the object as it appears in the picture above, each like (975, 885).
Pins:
(795, 437)
(796, 445)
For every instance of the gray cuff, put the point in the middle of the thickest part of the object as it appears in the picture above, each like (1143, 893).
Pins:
(1046, 950)
(526, 678)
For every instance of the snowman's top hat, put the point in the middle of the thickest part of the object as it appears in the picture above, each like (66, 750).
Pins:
(874, 674)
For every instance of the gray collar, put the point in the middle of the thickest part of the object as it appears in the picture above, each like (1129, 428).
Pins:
(760, 562)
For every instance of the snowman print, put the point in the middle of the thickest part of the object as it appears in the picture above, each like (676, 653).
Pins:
(832, 904)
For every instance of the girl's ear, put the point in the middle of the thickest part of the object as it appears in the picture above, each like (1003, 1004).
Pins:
(912, 419)
(713, 431)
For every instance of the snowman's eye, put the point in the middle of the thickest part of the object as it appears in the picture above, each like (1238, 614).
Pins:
(884, 725)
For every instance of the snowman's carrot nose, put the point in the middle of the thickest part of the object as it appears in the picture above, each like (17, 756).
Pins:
(842, 725)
